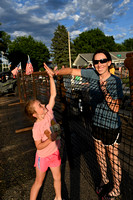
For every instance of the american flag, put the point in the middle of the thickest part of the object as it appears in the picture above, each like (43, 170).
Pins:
(29, 67)
(16, 70)
(9, 64)
(19, 66)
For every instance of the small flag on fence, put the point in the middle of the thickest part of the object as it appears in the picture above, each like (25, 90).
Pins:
(9, 64)
(29, 67)
(19, 66)
(16, 69)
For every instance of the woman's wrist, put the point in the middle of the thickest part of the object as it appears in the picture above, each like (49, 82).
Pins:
(105, 92)
(108, 97)
(56, 72)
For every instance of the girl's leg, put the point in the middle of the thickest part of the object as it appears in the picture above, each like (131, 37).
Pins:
(116, 168)
(57, 181)
(37, 184)
(101, 158)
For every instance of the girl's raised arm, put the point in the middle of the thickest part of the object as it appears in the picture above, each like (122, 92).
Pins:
(52, 86)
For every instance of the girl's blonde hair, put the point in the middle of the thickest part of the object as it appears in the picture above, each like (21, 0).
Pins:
(29, 109)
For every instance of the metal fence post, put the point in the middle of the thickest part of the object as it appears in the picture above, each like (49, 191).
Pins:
(19, 88)
(33, 86)
(129, 64)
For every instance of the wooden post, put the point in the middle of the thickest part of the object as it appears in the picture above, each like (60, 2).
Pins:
(69, 50)
(121, 73)
(129, 64)
(33, 86)
(19, 88)
(24, 88)
(23, 130)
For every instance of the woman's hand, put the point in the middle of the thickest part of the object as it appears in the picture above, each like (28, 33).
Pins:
(112, 103)
(103, 85)
(49, 71)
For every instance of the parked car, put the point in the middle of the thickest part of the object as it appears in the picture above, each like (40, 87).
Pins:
(119, 65)
(7, 83)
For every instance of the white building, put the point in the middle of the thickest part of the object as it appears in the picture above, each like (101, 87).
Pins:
(84, 59)
(5, 62)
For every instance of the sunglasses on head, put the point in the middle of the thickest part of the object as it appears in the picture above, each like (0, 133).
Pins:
(101, 61)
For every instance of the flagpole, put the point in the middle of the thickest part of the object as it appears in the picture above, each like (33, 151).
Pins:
(21, 69)
(31, 73)
(69, 50)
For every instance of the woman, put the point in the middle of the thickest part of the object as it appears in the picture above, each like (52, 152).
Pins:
(105, 92)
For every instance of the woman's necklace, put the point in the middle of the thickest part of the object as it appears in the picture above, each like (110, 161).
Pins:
(105, 77)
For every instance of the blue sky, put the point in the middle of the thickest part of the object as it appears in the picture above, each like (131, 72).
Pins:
(40, 18)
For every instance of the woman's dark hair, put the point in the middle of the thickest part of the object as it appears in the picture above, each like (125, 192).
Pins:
(106, 53)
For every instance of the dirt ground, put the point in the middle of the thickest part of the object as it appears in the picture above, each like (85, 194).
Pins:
(17, 152)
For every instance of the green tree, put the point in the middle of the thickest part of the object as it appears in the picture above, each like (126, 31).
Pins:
(4, 41)
(128, 44)
(120, 47)
(90, 41)
(23, 46)
(59, 47)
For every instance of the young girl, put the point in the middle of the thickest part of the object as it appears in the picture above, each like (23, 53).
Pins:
(47, 154)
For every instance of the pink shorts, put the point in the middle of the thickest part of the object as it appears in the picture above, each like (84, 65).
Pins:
(53, 160)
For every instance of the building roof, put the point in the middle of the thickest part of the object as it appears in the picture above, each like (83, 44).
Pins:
(84, 59)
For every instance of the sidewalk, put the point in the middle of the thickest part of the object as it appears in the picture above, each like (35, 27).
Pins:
(17, 152)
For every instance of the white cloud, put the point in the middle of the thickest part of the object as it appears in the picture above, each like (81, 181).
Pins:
(120, 36)
(75, 2)
(2, 11)
(99, 24)
(75, 17)
(20, 33)
(50, 17)
(25, 9)
(41, 17)
(124, 3)
(19, 5)
(131, 30)
(85, 29)
(120, 29)
(109, 29)
(38, 20)
(60, 16)
(75, 33)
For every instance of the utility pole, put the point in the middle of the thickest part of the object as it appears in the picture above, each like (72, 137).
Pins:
(69, 51)
(2, 53)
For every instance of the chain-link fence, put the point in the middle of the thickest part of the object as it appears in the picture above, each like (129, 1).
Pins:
(74, 110)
